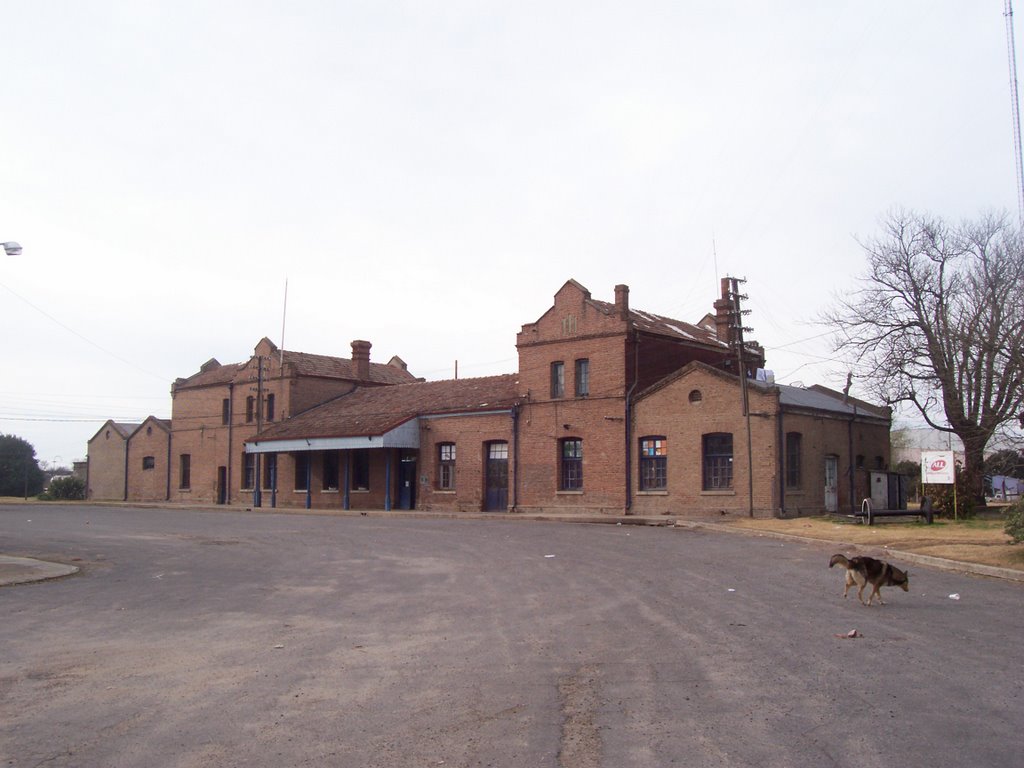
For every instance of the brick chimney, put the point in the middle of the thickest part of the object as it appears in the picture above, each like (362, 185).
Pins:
(622, 301)
(723, 313)
(361, 359)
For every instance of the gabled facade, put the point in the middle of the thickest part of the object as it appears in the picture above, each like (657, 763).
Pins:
(581, 365)
(106, 473)
(215, 411)
(801, 451)
(148, 461)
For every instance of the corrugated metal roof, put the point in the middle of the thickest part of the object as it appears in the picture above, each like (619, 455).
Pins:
(818, 400)
(666, 326)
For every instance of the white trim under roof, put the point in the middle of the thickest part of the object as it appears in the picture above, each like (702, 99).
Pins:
(406, 435)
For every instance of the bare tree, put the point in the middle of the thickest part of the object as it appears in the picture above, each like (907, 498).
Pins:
(937, 324)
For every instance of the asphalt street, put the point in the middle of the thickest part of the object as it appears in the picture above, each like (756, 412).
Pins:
(192, 638)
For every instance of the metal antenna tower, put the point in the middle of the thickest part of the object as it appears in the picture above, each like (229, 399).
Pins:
(1011, 53)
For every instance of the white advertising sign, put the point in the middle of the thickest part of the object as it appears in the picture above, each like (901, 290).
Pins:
(938, 468)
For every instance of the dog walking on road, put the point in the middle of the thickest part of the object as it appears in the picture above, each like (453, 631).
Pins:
(867, 570)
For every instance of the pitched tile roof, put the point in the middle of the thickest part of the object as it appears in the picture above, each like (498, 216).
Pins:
(164, 424)
(222, 374)
(305, 364)
(123, 428)
(369, 411)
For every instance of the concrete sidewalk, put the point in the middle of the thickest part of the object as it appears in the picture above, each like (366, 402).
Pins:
(23, 570)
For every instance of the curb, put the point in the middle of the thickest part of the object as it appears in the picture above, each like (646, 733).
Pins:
(25, 570)
(941, 563)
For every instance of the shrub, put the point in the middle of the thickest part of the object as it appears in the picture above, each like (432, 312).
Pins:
(942, 500)
(65, 489)
(1015, 522)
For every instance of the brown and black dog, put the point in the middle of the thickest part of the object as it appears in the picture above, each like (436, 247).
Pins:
(867, 570)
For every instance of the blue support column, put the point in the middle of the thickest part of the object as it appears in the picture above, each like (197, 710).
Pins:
(273, 483)
(257, 497)
(346, 500)
(309, 482)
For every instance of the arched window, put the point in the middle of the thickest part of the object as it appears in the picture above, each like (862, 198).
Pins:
(696, 396)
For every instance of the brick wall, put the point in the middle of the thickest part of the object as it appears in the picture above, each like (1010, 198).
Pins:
(471, 435)
(694, 404)
(199, 431)
(106, 465)
(148, 445)
(573, 330)
(854, 445)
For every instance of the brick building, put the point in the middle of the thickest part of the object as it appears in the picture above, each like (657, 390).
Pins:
(789, 451)
(603, 392)
(612, 410)
(201, 457)
(148, 460)
(106, 467)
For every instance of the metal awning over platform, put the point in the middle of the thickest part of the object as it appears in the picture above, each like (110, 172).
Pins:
(406, 435)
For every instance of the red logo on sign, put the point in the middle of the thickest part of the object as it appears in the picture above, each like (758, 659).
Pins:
(938, 465)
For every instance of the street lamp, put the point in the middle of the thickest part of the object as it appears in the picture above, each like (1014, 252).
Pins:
(12, 248)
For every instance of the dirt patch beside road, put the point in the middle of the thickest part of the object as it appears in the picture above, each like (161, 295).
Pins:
(972, 541)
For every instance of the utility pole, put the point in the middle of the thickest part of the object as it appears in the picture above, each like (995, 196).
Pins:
(1011, 54)
(257, 500)
(739, 328)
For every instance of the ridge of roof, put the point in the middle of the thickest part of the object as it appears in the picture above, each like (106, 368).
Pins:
(305, 364)
(649, 322)
(123, 428)
(312, 364)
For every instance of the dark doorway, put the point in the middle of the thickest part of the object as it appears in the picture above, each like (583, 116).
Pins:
(496, 491)
(407, 480)
(222, 485)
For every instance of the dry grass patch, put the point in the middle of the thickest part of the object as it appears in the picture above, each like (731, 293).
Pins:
(972, 541)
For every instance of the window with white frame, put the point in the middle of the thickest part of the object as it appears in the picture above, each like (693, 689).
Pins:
(446, 466)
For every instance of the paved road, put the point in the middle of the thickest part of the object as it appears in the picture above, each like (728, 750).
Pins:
(263, 640)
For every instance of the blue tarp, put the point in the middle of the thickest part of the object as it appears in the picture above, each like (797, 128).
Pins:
(1004, 487)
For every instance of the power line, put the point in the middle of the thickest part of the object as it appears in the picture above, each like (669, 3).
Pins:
(87, 340)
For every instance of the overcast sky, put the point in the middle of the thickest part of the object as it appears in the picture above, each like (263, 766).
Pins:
(426, 175)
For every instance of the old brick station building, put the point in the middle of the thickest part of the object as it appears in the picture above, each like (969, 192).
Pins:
(613, 411)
